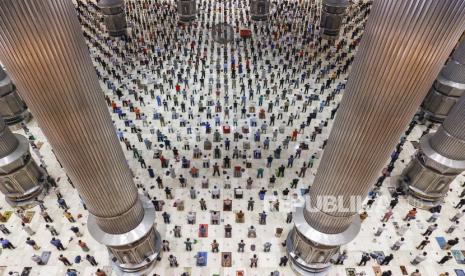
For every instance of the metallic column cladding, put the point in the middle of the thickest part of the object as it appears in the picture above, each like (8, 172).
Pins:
(12, 107)
(439, 160)
(42, 45)
(332, 16)
(114, 16)
(8, 141)
(448, 87)
(187, 10)
(21, 180)
(259, 9)
(402, 50)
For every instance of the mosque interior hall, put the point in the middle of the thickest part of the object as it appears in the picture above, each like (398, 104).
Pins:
(232, 137)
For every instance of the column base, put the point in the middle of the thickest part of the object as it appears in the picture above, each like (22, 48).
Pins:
(426, 178)
(134, 252)
(31, 197)
(14, 123)
(143, 268)
(310, 251)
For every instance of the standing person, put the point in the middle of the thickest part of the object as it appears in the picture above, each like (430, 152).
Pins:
(253, 261)
(450, 243)
(188, 244)
(365, 258)
(46, 216)
(52, 229)
(32, 243)
(57, 243)
(6, 244)
(250, 204)
(91, 260)
(83, 246)
(283, 261)
(423, 243)
(380, 230)
(241, 246)
(4, 229)
(289, 217)
(341, 258)
(173, 261)
(64, 260)
(166, 245)
(387, 259)
(387, 215)
(430, 229)
(76, 231)
(215, 246)
(396, 246)
(27, 229)
(445, 258)
(419, 258)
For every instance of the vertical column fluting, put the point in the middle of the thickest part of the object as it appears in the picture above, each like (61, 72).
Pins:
(12, 107)
(438, 161)
(8, 141)
(21, 179)
(42, 45)
(114, 16)
(404, 46)
(332, 16)
(448, 87)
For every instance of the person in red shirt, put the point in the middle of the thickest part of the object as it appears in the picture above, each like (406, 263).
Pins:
(178, 88)
(294, 135)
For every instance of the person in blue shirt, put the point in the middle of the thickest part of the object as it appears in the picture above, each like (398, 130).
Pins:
(71, 272)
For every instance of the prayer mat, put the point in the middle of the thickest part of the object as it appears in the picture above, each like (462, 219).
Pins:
(2, 270)
(39, 145)
(7, 215)
(240, 273)
(29, 215)
(377, 270)
(226, 259)
(205, 235)
(459, 272)
(188, 270)
(26, 271)
(441, 242)
(201, 258)
(404, 270)
(350, 271)
(458, 256)
(378, 255)
(45, 256)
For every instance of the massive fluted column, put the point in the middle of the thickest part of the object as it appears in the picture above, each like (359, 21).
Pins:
(439, 160)
(332, 16)
(403, 48)
(42, 45)
(448, 87)
(12, 107)
(114, 16)
(21, 180)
